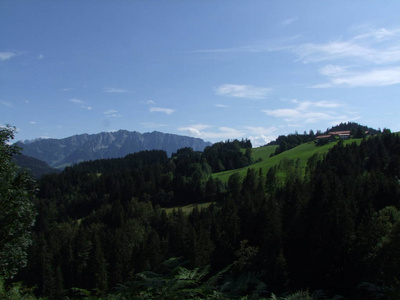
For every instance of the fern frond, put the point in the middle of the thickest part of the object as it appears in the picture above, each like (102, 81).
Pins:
(300, 295)
(213, 280)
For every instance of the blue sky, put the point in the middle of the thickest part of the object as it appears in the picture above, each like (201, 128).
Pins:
(216, 70)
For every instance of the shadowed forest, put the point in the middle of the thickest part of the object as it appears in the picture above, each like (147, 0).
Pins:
(116, 229)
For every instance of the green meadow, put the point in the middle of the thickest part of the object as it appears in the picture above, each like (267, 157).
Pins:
(300, 153)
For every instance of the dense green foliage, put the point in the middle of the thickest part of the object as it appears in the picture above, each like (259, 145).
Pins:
(286, 142)
(16, 208)
(331, 229)
(355, 129)
(227, 156)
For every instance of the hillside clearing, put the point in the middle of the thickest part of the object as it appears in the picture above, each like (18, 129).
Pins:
(301, 153)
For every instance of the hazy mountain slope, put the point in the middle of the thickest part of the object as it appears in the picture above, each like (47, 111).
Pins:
(59, 153)
(35, 166)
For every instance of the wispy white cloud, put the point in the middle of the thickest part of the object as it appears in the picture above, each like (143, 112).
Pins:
(368, 59)
(261, 130)
(289, 21)
(111, 113)
(380, 46)
(228, 132)
(332, 51)
(378, 34)
(243, 91)
(40, 57)
(167, 111)
(304, 105)
(266, 46)
(221, 105)
(32, 122)
(312, 112)
(148, 102)
(209, 132)
(196, 129)
(240, 49)
(376, 46)
(333, 70)
(374, 77)
(114, 90)
(260, 136)
(81, 103)
(6, 103)
(6, 55)
(78, 101)
(378, 77)
(291, 115)
(152, 125)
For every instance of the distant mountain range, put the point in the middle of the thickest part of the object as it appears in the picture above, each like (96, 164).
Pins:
(59, 153)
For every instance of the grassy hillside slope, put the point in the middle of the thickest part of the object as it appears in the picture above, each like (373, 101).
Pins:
(301, 153)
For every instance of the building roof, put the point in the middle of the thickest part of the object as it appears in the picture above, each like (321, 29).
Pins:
(345, 132)
(323, 136)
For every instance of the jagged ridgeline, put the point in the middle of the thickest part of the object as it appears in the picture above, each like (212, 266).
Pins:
(59, 153)
(331, 229)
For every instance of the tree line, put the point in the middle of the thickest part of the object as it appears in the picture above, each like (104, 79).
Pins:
(287, 142)
(332, 230)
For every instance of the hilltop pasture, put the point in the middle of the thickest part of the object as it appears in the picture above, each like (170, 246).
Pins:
(299, 154)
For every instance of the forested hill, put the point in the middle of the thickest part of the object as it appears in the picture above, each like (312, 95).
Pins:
(173, 181)
(353, 128)
(59, 153)
(35, 166)
(332, 229)
(286, 142)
